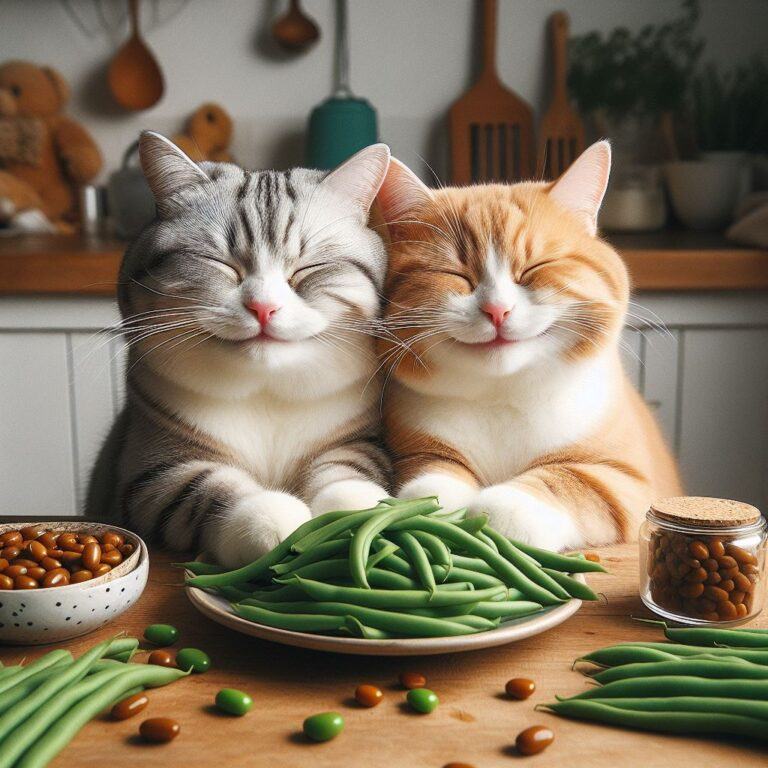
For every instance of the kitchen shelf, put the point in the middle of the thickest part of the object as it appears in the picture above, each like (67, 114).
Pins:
(660, 261)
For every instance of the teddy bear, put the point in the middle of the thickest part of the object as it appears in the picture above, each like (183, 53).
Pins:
(207, 134)
(44, 155)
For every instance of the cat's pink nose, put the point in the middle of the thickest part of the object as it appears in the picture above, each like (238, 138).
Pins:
(497, 313)
(263, 310)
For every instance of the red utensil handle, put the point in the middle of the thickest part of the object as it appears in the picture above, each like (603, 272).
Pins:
(559, 24)
(489, 37)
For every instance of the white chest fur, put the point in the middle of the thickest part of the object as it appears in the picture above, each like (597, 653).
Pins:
(518, 419)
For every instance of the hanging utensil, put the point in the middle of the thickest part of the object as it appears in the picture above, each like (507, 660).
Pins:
(491, 127)
(135, 79)
(295, 31)
(561, 132)
(342, 124)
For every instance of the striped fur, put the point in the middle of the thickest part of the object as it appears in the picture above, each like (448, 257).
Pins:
(234, 433)
(532, 422)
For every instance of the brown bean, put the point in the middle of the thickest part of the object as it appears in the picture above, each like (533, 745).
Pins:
(741, 610)
(101, 569)
(697, 575)
(108, 547)
(368, 695)
(3, 564)
(411, 680)
(25, 561)
(520, 687)
(710, 564)
(15, 570)
(705, 606)
(49, 563)
(727, 585)
(37, 551)
(740, 555)
(698, 549)
(728, 573)
(533, 740)
(716, 548)
(693, 589)
(36, 573)
(32, 531)
(91, 555)
(161, 659)
(11, 539)
(22, 581)
(748, 569)
(727, 610)
(737, 596)
(48, 539)
(726, 561)
(126, 550)
(112, 558)
(58, 577)
(593, 557)
(741, 581)
(716, 594)
(458, 765)
(56, 553)
(159, 730)
(115, 539)
(68, 556)
(130, 706)
(660, 573)
(79, 576)
(86, 538)
(714, 616)
(10, 553)
(713, 578)
(6, 582)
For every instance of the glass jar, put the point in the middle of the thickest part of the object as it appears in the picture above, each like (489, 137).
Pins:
(702, 560)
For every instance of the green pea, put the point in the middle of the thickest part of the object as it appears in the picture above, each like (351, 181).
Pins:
(324, 726)
(161, 634)
(234, 702)
(423, 700)
(194, 659)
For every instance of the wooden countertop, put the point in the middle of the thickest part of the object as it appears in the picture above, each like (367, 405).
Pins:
(663, 261)
(474, 723)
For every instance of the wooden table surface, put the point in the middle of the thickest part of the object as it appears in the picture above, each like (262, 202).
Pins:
(474, 723)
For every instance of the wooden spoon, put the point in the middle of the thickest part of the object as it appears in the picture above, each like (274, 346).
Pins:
(134, 76)
(295, 31)
(561, 132)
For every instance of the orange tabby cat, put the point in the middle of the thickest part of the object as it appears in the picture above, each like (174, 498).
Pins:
(506, 393)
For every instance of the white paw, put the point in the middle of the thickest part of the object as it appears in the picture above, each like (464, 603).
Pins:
(255, 525)
(347, 494)
(520, 515)
(451, 492)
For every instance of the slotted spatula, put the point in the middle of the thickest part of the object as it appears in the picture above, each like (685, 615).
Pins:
(491, 128)
(561, 132)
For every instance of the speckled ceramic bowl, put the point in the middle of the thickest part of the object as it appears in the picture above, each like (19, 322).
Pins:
(36, 616)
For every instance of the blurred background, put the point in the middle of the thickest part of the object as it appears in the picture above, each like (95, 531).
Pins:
(462, 91)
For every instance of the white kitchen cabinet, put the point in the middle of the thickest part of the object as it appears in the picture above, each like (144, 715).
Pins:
(705, 376)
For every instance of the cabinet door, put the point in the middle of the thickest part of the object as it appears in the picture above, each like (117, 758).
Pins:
(36, 425)
(660, 379)
(724, 413)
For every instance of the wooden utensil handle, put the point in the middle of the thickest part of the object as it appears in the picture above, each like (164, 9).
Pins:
(133, 15)
(489, 37)
(559, 24)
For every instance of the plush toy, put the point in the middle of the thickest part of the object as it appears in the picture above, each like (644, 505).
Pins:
(207, 134)
(44, 155)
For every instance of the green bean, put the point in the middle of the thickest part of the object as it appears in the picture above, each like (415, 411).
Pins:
(708, 668)
(480, 623)
(358, 629)
(533, 571)
(756, 657)
(382, 554)
(361, 541)
(322, 551)
(573, 587)
(505, 609)
(441, 555)
(311, 621)
(557, 562)
(335, 528)
(451, 517)
(747, 707)
(668, 722)
(22, 689)
(475, 526)
(61, 731)
(390, 621)
(12, 670)
(677, 685)
(398, 565)
(472, 564)
(284, 594)
(336, 568)
(395, 599)
(615, 655)
(260, 568)
(505, 570)
(121, 645)
(72, 674)
(232, 593)
(33, 727)
(418, 559)
(711, 637)
(51, 658)
(447, 612)
(479, 580)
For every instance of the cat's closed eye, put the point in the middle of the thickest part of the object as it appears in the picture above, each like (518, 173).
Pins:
(228, 269)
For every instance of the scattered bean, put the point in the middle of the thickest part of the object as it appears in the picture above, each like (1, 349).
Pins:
(161, 634)
(159, 730)
(368, 695)
(129, 707)
(412, 680)
(520, 687)
(193, 658)
(234, 702)
(422, 700)
(324, 726)
(161, 659)
(533, 740)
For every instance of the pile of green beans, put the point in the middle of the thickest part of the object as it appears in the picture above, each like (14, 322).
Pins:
(45, 703)
(399, 569)
(713, 681)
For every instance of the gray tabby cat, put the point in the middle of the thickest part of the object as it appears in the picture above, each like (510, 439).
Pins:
(247, 305)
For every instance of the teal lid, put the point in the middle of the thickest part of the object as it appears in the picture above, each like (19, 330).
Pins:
(338, 128)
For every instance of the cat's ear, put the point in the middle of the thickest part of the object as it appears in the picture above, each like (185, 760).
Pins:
(581, 188)
(402, 191)
(359, 178)
(166, 168)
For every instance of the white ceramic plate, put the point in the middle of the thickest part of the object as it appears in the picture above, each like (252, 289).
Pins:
(218, 609)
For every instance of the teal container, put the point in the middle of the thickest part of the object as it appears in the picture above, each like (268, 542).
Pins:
(338, 128)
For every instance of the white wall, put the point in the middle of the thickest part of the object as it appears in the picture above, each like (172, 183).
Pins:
(411, 58)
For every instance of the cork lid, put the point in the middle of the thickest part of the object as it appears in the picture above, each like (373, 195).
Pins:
(705, 511)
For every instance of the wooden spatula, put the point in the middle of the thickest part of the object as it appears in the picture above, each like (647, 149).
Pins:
(561, 133)
(491, 128)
